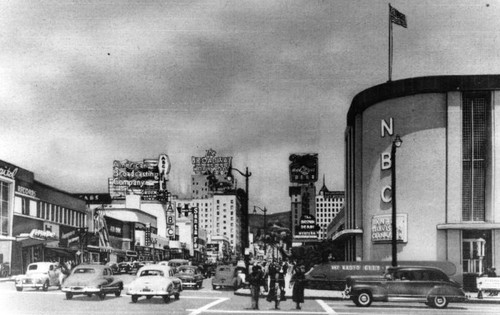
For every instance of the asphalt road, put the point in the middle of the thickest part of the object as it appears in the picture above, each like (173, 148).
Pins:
(203, 301)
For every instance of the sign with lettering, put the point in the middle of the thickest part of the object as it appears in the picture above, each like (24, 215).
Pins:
(211, 164)
(195, 227)
(307, 227)
(26, 191)
(146, 178)
(8, 172)
(382, 228)
(303, 168)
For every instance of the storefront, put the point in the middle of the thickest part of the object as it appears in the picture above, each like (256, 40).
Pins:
(446, 172)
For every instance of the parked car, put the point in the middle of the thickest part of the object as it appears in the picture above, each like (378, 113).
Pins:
(428, 284)
(228, 276)
(155, 280)
(191, 276)
(92, 279)
(124, 267)
(40, 275)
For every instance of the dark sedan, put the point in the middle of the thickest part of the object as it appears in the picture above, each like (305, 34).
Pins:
(191, 276)
(431, 285)
(92, 279)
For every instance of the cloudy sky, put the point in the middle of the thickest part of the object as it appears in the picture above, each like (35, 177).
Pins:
(86, 82)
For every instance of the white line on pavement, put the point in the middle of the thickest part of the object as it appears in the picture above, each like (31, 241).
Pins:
(259, 312)
(209, 305)
(325, 306)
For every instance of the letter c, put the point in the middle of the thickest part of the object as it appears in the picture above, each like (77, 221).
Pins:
(386, 197)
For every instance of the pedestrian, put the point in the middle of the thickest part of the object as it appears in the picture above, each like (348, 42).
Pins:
(255, 280)
(298, 282)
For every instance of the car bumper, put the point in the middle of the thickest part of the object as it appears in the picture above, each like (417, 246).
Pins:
(80, 290)
(148, 292)
(30, 283)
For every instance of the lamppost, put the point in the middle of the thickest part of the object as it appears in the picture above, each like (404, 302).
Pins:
(247, 174)
(396, 143)
(265, 223)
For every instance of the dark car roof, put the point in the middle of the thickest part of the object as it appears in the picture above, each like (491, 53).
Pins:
(415, 268)
(96, 267)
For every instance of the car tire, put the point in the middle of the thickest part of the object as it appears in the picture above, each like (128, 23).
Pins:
(363, 299)
(69, 295)
(118, 293)
(101, 295)
(19, 289)
(439, 302)
(45, 286)
(214, 287)
(134, 298)
(89, 294)
(166, 298)
(176, 296)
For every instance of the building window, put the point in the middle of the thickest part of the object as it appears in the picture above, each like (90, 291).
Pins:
(25, 206)
(475, 126)
(4, 208)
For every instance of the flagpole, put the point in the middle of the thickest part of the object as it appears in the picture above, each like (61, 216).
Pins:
(390, 44)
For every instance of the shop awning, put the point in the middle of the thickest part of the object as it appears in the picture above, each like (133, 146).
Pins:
(346, 232)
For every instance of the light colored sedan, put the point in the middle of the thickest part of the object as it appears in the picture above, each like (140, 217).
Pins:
(39, 275)
(155, 280)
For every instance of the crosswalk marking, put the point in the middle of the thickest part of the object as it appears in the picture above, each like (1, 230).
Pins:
(325, 306)
(206, 307)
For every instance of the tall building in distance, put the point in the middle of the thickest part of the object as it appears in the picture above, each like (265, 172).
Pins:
(328, 205)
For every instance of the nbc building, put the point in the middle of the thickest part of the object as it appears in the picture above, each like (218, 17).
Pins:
(447, 172)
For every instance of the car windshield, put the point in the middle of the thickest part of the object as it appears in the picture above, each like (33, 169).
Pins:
(33, 267)
(187, 271)
(84, 270)
(146, 273)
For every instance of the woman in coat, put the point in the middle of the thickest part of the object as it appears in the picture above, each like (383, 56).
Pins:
(299, 283)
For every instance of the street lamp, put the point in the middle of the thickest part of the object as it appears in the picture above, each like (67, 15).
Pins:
(396, 143)
(265, 222)
(247, 174)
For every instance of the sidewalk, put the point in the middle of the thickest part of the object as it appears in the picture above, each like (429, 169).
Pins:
(338, 295)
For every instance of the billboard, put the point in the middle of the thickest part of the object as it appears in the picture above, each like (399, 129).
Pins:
(146, 178)
(307, 227)
(211, 164)
(304, 168)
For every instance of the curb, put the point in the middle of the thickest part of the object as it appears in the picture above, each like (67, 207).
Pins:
(472, 298)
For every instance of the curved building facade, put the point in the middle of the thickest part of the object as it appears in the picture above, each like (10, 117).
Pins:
(447, 171)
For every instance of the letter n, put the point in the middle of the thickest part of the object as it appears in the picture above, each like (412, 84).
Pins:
(386, 127)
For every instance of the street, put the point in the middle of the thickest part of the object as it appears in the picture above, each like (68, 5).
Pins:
(203, 301)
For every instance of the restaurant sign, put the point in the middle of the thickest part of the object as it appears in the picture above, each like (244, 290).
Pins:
(307, 228)
(382, 228)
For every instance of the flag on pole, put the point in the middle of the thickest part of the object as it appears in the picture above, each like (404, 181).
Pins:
(397, 17)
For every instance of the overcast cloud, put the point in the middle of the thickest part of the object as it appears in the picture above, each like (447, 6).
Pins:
(86, 82)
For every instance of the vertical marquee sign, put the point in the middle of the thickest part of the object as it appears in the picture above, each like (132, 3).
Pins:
(195, 227)
(170, 215)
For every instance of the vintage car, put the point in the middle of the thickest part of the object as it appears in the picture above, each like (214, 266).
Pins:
(135, 266)
(155, 280)
(332, 275)
(228, 276)
(428, 284)
(177, 263)
(92, 279)
(191, 276)
(39, 275)
(124, 267)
